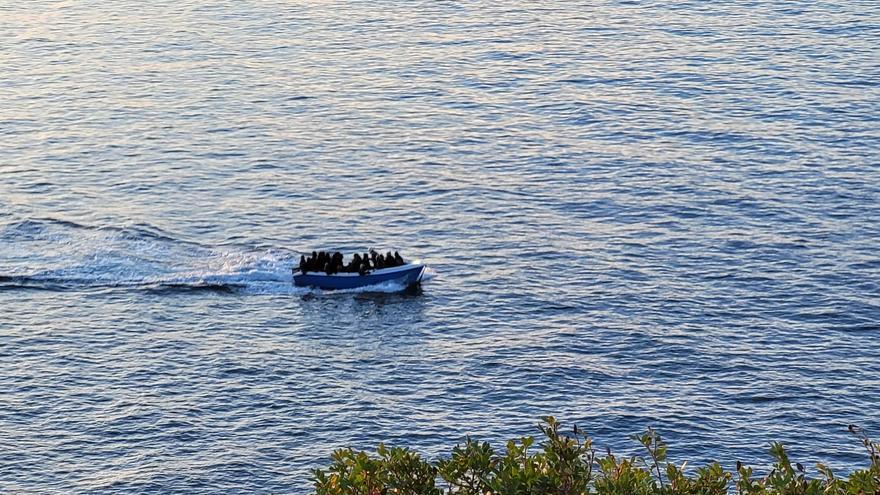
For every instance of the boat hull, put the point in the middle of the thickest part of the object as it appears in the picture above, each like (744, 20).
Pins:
(406, 275)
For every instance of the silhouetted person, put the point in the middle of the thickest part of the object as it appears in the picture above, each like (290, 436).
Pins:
(337, 261)
(302, 264)
(398, 258)
(389, 260)
(355, 265)
(366, 266)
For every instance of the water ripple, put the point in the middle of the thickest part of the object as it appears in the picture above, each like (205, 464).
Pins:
(637, 214)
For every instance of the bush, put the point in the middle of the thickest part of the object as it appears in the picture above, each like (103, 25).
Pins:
(567, 464)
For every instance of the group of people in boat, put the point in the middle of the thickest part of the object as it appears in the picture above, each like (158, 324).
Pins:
(332, 263)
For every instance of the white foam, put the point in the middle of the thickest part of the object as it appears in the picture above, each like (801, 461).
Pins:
(429, 274)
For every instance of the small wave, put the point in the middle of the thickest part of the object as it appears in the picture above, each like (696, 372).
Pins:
(8, 282)
(59, 284)
(40, 227)
(174, 288)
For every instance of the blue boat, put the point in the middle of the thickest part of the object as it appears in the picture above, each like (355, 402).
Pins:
(406, 275)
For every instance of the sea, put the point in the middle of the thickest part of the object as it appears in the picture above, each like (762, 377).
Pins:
(635, 214)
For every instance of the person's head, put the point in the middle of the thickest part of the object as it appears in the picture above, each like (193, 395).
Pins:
(357, 257)
(314, 255)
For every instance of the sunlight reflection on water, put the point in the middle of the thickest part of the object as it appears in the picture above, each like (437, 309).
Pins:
(637, 214)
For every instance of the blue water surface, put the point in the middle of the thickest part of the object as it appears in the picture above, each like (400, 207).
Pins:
(636, 214)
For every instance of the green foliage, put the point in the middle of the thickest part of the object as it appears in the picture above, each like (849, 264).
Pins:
(395, 470)
(567, 464)
(468, 469)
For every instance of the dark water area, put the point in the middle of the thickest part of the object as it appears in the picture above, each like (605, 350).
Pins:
(636, 214)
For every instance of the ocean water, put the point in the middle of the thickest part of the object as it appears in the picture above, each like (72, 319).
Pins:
(636, 214)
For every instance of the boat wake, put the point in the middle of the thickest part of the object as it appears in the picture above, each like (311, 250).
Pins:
(57, 255)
